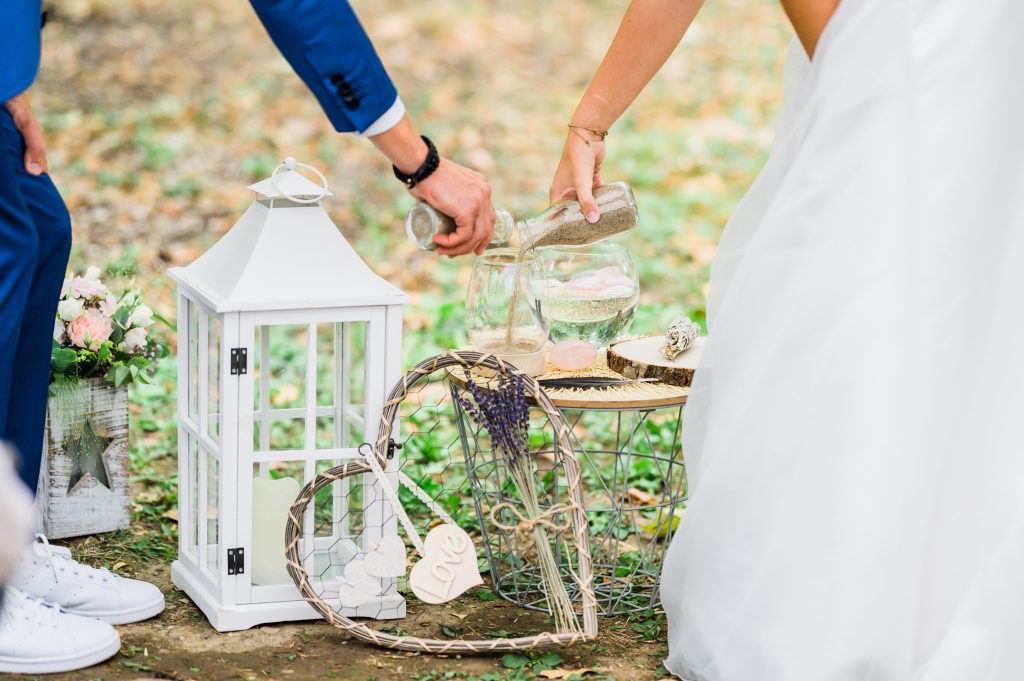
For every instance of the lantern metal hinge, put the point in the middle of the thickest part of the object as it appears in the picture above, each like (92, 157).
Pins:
(392, 446)
(236, 561)
(239, 361)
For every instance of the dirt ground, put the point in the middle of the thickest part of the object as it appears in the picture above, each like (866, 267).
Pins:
(181, 645)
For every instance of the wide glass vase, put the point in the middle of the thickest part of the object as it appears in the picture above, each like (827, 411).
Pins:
(586, 293)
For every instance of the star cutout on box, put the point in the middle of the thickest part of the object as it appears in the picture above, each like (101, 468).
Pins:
(86, 449)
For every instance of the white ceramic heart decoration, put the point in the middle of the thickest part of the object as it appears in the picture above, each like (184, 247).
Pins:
(448, 567)
(387, 558)
(357, 585)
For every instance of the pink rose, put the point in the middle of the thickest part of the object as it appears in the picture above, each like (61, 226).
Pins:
(90, 330)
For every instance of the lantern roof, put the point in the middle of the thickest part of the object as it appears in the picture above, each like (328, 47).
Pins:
(285, 255)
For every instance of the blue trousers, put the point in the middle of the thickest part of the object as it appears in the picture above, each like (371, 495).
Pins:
(35, 241)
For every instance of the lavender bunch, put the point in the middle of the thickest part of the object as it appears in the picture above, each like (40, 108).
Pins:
(502, 409)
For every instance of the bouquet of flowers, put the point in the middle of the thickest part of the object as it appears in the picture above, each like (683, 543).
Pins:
(98, 333)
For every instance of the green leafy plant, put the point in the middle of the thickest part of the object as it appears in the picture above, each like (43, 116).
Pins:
(533, 662)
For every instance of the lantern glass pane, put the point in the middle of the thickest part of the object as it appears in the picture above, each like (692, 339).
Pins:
(338, 508)
(212, 513)
(213, 405)
(341, 384)
(192, 494)
(280, 387)
(192, 389)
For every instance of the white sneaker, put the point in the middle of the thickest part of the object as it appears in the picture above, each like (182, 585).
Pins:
(39, 638)
(51, 574)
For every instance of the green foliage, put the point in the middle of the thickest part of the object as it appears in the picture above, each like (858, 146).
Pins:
(533, 661)
(649, 627)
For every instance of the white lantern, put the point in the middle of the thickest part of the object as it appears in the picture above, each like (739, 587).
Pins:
(287, 344)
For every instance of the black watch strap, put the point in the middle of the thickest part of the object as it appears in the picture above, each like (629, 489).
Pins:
(426, 169)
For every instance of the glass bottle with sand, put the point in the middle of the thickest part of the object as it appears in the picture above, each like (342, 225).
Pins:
(563, 224)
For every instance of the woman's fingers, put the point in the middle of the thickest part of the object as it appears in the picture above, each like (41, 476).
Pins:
(583, 178)
(579, 171)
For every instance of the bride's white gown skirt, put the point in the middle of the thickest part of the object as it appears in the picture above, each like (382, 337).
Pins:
(855, 442)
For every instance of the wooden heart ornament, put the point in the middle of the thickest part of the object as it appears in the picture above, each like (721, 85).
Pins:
(357, 585)
(387, 558)
(448, 567)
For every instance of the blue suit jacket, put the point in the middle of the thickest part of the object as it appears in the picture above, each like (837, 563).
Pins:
(328, 48)
(19, 49)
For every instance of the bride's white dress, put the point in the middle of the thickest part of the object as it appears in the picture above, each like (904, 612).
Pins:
(855, 441)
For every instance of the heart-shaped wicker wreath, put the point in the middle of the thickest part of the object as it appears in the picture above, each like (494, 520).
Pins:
(467, 360)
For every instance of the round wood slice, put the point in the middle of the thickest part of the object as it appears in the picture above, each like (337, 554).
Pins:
(640, 358)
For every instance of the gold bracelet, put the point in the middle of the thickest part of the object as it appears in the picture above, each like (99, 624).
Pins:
(600, 134)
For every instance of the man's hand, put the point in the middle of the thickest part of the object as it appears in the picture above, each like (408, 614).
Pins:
(454, 190)
(26, 123)
(464, 195)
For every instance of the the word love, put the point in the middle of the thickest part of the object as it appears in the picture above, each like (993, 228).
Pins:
(448, 567)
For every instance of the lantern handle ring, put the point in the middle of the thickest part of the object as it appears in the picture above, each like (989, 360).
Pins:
(291, 164)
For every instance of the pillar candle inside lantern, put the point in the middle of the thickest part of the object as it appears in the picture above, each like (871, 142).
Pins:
(271, 500)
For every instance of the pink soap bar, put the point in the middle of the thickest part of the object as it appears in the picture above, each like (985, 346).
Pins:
(573, 355)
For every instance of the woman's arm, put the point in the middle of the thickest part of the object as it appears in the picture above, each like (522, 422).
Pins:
(648, 34)
(809, 18)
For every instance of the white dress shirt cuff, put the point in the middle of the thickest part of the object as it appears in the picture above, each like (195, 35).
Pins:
(388, 120)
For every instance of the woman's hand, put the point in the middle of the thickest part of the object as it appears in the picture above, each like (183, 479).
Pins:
(579, 171)
(26, 123)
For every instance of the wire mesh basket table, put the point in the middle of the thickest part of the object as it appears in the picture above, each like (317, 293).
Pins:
(627, 440)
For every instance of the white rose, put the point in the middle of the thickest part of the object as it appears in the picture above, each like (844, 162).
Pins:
(92, 274)
(142, 316)
(135, 339)
(71, 309)
(58, 330)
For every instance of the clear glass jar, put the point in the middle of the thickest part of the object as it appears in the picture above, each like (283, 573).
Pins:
(500, 317)
(424, 221)
(587, 294)
(563, 223)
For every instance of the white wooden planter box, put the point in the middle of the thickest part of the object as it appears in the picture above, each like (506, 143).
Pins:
(83, 484)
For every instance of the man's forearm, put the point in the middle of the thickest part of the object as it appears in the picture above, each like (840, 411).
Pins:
(402, 145)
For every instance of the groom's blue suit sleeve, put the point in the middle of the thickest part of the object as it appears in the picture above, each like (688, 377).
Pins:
(19, 49)
(328, 48)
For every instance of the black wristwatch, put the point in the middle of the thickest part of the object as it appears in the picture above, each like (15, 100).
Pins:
(426, 169)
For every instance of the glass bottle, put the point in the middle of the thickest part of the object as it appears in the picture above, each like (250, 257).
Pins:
(424, 221)
(563, 223)
(500, 316)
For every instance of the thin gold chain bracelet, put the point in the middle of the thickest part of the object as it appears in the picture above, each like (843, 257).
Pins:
(600, 134)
